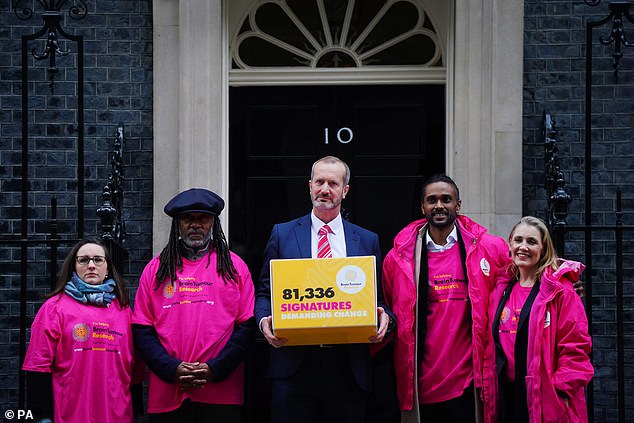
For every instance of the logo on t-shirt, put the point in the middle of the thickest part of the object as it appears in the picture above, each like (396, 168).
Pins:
(512, 316)
(168, 290)
(81, 332)
(504, 316)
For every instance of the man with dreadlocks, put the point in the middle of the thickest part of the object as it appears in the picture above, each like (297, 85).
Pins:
(193, 317)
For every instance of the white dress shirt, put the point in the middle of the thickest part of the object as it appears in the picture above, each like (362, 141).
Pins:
(432, 247)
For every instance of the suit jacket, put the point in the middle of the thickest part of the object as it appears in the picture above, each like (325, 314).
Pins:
(292, 240)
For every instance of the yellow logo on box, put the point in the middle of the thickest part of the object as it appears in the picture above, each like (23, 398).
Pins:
(324, 301)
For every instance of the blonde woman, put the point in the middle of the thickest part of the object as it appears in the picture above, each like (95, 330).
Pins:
(538, 363)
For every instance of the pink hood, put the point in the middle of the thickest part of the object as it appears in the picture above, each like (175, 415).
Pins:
(558, 362)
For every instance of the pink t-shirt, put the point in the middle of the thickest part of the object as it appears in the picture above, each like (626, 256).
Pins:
(89, 351)
(447, 366)
(509, 322)
(194, 318)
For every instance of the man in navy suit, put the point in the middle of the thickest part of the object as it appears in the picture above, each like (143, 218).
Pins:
(320, 383)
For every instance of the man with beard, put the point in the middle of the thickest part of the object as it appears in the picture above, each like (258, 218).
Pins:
(193, 317)
(320, 383)
(437, 279)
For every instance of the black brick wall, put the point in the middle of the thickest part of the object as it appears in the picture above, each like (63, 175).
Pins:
(118, 90)
(554, 81)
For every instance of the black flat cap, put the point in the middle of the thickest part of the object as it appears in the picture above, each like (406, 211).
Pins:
(194, 200)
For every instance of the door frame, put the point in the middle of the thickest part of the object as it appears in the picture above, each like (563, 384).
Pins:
(484, 105)
(389, 143)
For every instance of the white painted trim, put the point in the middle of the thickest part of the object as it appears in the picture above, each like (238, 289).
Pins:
(190, 103)
(165, 120)
(336, 76)
(224, 131)
(486, 154)
(450, 49)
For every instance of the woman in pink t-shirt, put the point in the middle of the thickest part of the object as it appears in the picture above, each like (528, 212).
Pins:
(540, 332)
(80, 359)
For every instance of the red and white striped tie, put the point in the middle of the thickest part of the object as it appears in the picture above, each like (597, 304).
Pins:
(323, 246)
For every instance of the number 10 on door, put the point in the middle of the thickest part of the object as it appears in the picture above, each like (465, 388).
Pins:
(344, 135)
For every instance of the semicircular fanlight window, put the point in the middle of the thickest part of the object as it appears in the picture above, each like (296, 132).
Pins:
(336, 34)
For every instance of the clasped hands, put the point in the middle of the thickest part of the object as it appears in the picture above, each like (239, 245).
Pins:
(192, 375)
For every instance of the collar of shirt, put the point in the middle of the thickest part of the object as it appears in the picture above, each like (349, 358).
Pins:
(432, 247)
(335, 225)
(336, 237)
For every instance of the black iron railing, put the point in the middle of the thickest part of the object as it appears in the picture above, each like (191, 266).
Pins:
(111, 210)
(32, 242)
(52, 242)
(557, 213)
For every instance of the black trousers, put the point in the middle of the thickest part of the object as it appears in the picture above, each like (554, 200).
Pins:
(514, 403)
(383, 402)
(456, 410)
(323, 390)
(198, 412)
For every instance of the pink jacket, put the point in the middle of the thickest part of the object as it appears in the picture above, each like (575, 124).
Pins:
(559, 345)
(486, 256)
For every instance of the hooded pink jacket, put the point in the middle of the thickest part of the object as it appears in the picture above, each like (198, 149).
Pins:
(487, 255)
(558, 360)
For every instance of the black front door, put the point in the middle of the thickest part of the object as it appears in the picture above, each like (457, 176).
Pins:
(390, 136)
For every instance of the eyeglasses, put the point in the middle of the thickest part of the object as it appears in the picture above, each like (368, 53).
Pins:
(85, 260)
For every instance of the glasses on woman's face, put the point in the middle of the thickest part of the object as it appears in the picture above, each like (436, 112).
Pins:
(85, 260)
